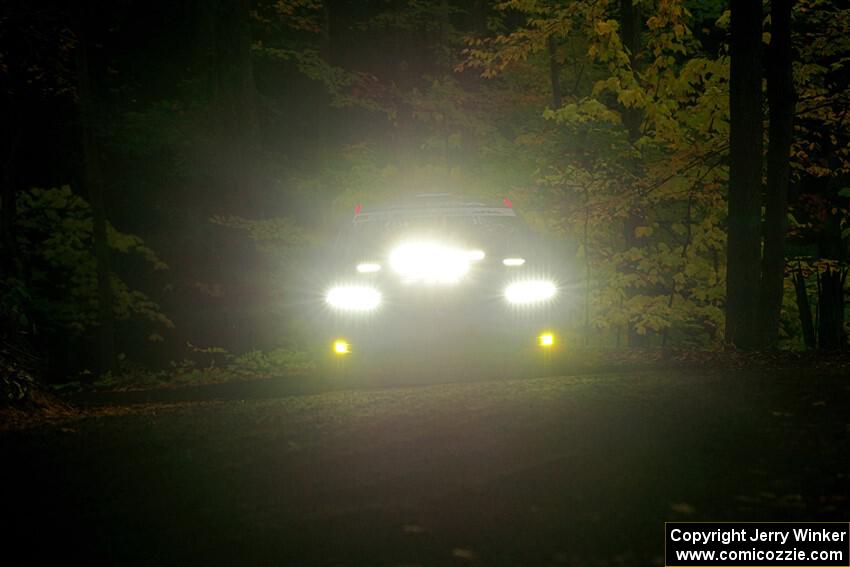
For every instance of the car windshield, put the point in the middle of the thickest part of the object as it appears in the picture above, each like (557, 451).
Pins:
(493, 229)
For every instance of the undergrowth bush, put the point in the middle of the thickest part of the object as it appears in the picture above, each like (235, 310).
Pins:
(211, 365)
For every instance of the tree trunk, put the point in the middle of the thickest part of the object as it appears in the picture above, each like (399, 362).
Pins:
(630, 28)
(743, 247)
(780, 97)
(831, 309)
(93, 179)
(8, 201)
(804, 309)
(234, 100)
(554, 72)
(478, 13)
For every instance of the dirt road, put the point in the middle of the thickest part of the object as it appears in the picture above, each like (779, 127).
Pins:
(546, 471)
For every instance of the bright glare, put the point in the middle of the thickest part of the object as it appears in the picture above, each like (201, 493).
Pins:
(546, 339)
(511, 262)
(368, 267)
(353, 298)
(532, 291)
(341, 347)
(475, 255)
(429, 262)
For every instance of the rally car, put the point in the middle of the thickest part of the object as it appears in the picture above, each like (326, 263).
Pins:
(441, 278)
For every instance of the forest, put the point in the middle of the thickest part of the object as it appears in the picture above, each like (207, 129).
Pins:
(170, 170)
(423, 282)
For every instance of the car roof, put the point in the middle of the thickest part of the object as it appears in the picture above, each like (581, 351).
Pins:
(435, 205)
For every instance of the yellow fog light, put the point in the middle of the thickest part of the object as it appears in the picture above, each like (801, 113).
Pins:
(546, 339)
(341, 347)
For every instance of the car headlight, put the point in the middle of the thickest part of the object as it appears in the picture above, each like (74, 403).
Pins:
(429, 262)
(353, 298)
(513, 262)
(368, 267)
(531, 291)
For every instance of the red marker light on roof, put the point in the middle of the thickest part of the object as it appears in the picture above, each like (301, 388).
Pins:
(357, 209)
(508, 203)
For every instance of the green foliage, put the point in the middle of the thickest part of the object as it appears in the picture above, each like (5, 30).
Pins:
(59, 289)
(272, 235)
(645, 205)
(276, 362)
(275, 22)
(211, 365)
(822, 32)
(16, 383)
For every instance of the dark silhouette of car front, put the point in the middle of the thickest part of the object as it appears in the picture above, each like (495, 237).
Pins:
(441, 279)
